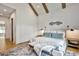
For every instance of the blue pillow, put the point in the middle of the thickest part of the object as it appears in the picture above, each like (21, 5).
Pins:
(49, 35)
(54, 35)
(57, 35)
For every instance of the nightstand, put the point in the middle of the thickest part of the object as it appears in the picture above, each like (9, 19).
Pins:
(73, 38)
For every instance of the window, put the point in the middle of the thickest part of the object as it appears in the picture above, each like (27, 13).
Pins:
(2, 29)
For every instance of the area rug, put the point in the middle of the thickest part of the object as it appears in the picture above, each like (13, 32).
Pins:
(25, 50)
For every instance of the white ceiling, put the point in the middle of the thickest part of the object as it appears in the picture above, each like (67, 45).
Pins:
(5, 11)
(39, 8)
(52, 7)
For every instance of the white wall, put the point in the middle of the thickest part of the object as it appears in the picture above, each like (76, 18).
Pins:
(69, 16)
(7, 26)
(25, 22)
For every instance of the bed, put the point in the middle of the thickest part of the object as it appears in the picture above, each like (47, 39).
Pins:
(51, 43)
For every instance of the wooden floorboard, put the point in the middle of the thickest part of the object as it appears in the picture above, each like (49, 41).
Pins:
(7, 44)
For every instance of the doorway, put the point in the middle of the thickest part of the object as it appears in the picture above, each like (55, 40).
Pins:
(7, 26)
(13, 28)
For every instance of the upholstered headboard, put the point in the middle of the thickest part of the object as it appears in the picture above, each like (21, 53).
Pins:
(55, 34)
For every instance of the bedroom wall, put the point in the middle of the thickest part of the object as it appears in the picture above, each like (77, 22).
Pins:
(69, 16)
(25, 22)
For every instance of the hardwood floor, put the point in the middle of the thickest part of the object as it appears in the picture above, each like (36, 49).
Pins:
(73, 49)
(6, 44)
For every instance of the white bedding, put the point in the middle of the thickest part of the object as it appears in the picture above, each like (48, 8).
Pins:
(41, 42)
(46, 41)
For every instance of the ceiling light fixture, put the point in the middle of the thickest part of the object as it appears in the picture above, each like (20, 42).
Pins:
(5, 10)
(38, 6)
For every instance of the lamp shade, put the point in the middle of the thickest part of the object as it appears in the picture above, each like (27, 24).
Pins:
(72, 35)
(40, 33)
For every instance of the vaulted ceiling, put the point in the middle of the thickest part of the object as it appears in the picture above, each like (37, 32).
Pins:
(38, 8)
(45, 8)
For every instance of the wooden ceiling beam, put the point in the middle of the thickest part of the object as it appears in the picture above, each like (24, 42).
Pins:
(45, 8)
(33, 9)
(63, 5)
